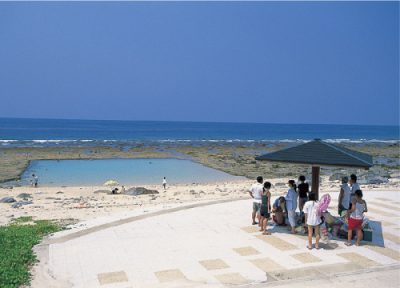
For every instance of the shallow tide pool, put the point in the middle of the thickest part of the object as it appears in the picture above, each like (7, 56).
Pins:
(124, 171)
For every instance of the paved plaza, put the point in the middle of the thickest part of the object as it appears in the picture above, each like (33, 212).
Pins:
(214, 245)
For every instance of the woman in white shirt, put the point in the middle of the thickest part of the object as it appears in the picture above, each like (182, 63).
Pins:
(291, 205)
(312, 220)
(344, 196)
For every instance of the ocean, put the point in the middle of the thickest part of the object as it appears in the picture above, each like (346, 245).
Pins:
(50, 132)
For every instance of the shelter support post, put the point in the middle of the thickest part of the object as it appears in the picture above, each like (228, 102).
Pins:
(315, 180)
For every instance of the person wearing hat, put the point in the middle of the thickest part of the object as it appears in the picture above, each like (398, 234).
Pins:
(344, 196)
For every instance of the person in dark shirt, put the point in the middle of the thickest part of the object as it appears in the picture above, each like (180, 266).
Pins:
(302, 189)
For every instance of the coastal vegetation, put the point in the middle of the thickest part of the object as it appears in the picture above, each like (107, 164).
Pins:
(16, 242)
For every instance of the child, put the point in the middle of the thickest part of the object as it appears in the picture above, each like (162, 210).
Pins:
(356, 216)
(312, 220)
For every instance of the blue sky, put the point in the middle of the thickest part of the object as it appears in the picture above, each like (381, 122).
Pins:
(266, 62)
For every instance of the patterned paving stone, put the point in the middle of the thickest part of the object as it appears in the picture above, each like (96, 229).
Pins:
(112, 277)
(387, 224)
(246, 251)
(214, 264)
(358, 259)
(266, 264)
(170, 275)
(232, 279)
(251, 229)
(383, 199)
(380, 212)
(391, 237)
(277, 242)
(383, 205)
(388, 252)
(306, 258)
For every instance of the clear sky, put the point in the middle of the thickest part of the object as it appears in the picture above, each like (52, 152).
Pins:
(266, 62)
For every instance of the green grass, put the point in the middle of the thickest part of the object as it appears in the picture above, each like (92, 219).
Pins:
(16, 242)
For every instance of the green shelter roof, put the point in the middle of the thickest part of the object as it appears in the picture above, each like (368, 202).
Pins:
(318, 152)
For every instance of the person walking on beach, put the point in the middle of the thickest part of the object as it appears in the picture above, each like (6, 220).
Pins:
(303, 189)
(35, 180)
(312, 220)
(291, 204)
(355, 217)
(164, 183)
(255, 192)
(344, 196)
(265, 208)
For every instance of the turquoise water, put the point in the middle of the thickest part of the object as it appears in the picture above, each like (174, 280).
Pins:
(124, 171)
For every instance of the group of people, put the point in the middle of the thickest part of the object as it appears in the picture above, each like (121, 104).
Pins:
(350, 205)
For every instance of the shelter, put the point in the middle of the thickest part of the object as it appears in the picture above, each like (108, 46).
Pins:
(319, 153)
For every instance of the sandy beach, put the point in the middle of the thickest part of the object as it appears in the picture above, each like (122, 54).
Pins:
(77, 204)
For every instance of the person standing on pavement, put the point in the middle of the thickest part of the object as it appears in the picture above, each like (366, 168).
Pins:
(353, 187)
(291, 205)
(255, 192)
(303, 189)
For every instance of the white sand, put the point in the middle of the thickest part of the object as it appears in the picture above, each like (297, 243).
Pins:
(81, 203)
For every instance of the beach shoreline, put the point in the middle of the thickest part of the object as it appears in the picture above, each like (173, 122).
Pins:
(83, 203)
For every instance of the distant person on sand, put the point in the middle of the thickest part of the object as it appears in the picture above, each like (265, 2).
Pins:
(114, 191)
(164, 183)
(35, 180)
(291, 204)
(255, 192)
(344, 196)
(303, 189)
(122, 190)
(265, 208)
(312, 220)
(279, 210)
(355, 217)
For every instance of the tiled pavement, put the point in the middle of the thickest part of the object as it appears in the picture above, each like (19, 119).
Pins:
(214, 245)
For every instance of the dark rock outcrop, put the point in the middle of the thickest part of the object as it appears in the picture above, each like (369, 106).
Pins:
(7, 200)
(135, 191)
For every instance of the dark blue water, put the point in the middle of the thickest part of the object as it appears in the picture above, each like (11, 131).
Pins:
(68, 131)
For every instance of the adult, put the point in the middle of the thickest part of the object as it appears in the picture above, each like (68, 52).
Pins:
(344, 196)
(265, 208)
(356, 217)
(303, 188)
(312, 220)
(279, 210)
(353, 185)
(122, 190)
(255, 192)
(164, 183)
(291, 204)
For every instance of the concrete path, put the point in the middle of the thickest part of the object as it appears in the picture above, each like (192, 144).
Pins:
(214, 245)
